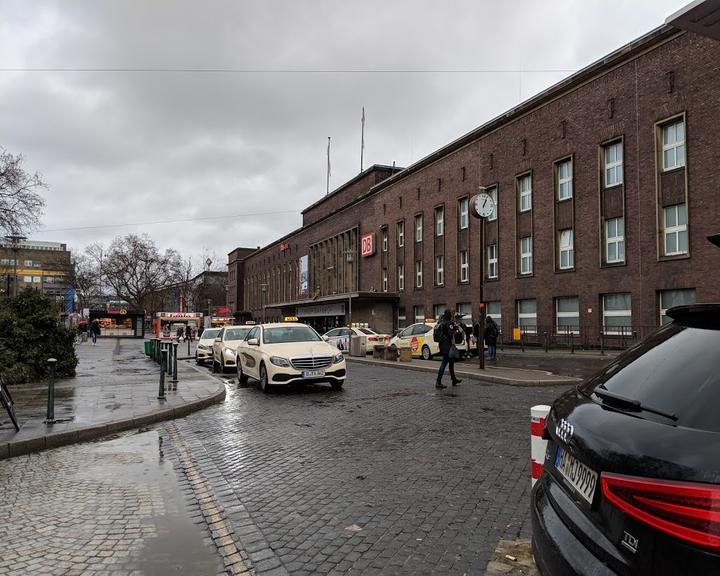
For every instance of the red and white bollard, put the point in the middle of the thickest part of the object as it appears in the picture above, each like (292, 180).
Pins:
(537, 444)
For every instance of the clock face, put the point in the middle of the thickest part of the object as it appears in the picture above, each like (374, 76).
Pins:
(484, 205)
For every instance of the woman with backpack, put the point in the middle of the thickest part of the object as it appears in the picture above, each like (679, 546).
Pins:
(446, 331)
(491, 336)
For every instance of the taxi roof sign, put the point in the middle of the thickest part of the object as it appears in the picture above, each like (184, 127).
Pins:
(249, 322)
(290, 319)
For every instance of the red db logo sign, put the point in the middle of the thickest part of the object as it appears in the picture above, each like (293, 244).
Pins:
(367, 245)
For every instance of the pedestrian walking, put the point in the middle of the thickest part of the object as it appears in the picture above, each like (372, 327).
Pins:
(94, 330)
(491, 335)
(444, 334)
(189, 333)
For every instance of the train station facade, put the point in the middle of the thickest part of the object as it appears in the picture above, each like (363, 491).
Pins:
(606, 188)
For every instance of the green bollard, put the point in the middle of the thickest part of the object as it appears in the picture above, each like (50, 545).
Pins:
(161, 391)
(168, 364)
(174, 380)
(50, 419)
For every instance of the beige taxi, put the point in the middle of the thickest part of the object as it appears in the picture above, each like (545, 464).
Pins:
(284, 353)
(419, 338)
(224, 345)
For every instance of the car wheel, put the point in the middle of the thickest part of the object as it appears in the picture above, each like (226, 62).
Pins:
(221, 366)
(336, 385)
(426, 355)
(264, 384)
(197, 360)
(242, 379)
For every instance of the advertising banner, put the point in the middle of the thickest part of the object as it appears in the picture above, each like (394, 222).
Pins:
(303, 280)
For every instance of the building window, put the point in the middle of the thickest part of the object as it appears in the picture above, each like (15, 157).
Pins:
(439, 270)
(492, 261)
(615, 240)
(384, 233)
(527, 316)
(617, 313)
(564, 180)
(673, 145)
(493, 193)
(438, 310)
(671, 298)
(565, 242)
(526, 255)
(464, 267)
(493, 309)
(419, 313)
(418, 274)
(463, 213)
(525, 193)
(28, 263)
(439, 221)
(464, 309)
(418, 228)
(613, 154)
(384, 280)
(401, 234)
(567, 315)
(401, 317)
(675, 231)
(401, 277)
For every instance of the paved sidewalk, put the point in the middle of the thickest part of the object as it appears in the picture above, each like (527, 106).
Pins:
(116, 388)
(469, 369)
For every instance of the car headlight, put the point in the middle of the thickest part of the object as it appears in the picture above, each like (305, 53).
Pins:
(338, 358)
(230, 351)
(280, 361)
(202, 347)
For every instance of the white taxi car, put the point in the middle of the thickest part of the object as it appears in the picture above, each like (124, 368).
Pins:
(286, 353)
(340, 338)
(224, 345)
(419, 338)
(204, 350)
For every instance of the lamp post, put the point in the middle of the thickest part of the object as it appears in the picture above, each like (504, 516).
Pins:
(263, 291)
(15, 240)
(482, 206)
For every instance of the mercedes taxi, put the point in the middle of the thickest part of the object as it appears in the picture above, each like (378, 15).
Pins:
(204, 350)
(223, 350)
(419, 338)
(288, 352)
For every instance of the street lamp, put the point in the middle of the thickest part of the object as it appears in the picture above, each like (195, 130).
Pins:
(263, 290)
(15, 240)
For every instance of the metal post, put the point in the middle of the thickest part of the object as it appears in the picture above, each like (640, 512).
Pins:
(51, 362)
(571, 335)
(547, 344)
(161, 391)
(168, 364)
(522, 341)
(188, 341)
(602, 345)
(481, 334)
(174, 380)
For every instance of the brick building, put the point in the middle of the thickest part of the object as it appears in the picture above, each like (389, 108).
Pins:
(606, 189)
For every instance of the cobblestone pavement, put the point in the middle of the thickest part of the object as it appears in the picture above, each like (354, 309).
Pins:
(388, 476)
(114, 508)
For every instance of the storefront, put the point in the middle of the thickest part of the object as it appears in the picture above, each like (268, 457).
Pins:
(120, 323)
(167, 324)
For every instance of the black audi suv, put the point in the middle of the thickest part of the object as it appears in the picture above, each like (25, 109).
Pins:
(631, 482)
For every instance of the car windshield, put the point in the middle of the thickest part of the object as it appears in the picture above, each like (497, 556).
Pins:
(210, 334)
(367, 331)
(282, 334)
(236, 333)
(676, 370)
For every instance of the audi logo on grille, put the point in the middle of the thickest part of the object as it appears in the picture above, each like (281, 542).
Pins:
(564, 430)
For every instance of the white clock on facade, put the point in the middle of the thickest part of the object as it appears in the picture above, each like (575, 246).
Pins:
(483, 205)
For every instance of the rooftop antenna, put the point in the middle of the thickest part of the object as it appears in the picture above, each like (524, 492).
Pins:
(327, 190)
(362, 138)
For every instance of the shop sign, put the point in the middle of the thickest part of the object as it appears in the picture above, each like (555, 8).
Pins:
(322, 310)
(284, 246)
(367, 245)
(181, 315)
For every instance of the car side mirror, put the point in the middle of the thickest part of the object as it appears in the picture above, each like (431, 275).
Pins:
(218, 339)
(326, 338)
(253, 342)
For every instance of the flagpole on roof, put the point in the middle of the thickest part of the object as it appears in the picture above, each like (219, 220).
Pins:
(362, 138)
(327, 191)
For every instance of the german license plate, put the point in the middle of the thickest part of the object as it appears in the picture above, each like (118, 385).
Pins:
(580, 477)
(313, 373)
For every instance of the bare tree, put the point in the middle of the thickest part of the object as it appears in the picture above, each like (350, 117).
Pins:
(136, 271)
(87, 277)
(20, 204)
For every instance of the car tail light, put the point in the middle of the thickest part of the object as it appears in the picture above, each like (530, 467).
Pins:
(682, 509)
(371, 338)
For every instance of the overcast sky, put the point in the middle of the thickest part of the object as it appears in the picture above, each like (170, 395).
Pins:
(215, 115)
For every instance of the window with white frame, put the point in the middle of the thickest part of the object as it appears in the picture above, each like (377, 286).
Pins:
(567, 315)
(384, 280)
(526, 264)
(617, 313)
(525, 193)
(418, 228)
(671, 298)
(527, 316)
(673, 145)
(613, 168)
(675, 230)
(439, 270)
(463, 213)
(419, 313)
(495, 310)
(615, 240)
(564, 180)
(401, 234)
(439, 221)
(492, 261)
(566, 252)
(384, 233)
(464, 266)
(401, 277)
(418, 274)
(493, 193)
(402, 319)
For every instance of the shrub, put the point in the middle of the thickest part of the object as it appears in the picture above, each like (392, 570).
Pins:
(30, 333)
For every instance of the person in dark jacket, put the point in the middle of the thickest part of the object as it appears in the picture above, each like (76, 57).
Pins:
(445, 342)
(491, 336)
(95, 330)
